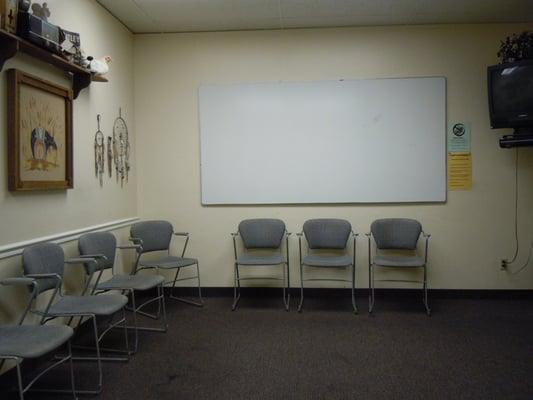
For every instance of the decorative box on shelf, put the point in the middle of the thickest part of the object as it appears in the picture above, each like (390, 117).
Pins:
(40, 32)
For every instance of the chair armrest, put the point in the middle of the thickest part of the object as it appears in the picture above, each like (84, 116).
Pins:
(426, 235)
(18, 281)
(82, 260)
(136, 240)
(57, 277)
(44, 276)
(181, 233)
(355, 234)
(300, 234)
(131, 246)
(97, 256)
(234, 234)
(368, 234)
(288, 233)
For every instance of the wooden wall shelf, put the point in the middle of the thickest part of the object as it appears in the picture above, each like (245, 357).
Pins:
(11, 44)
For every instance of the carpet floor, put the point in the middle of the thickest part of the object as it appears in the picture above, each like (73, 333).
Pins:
(468, 349)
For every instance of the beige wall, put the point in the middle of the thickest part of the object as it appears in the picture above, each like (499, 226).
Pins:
(471, 232)
(26, 216)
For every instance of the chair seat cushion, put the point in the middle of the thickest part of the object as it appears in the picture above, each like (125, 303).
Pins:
(169, 262)
(399, 261)
(268, 259)
(102, 305)
(319, 260)
(134, 282)
(32, 341)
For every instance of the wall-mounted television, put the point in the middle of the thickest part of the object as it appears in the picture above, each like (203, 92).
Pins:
(511, 95)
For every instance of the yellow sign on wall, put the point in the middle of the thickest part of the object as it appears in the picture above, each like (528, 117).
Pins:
(459, 171)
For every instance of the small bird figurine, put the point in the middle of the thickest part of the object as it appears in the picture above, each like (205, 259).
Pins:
(99, 66)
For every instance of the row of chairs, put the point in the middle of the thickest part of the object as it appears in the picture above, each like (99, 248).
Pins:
(395, 239)
(44, 266)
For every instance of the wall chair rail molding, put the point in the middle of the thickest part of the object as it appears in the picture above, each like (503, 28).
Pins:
(14, 249)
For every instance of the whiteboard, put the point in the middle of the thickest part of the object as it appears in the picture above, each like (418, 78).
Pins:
(347, 141)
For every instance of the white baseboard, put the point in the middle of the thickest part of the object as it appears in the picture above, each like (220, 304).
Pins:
(14, 249)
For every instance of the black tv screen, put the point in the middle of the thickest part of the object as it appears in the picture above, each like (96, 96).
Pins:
(511, 95)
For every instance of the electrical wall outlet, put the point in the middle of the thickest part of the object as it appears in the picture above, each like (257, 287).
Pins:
(503, 264)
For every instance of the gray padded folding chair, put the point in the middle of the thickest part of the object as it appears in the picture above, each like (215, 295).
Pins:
(45, 262)
(21, 342)
(152, 236)
(396, 242)
(327, 235)
(262, 234)
(99, 249)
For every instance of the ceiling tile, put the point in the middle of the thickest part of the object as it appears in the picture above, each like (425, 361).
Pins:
(213, 15)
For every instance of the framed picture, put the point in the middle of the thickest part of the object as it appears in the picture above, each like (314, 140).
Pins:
(39, 140)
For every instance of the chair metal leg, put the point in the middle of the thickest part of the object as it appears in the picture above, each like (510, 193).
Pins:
(135, 324)
(111, 326)
(301, 288)
(371, 295)
(199, 303)
(354, 305)
(98, 360)
(287, 289)
(163, 307)
(125, 324)
(98, 355)
(19, 381)
(155, 316)
(71, 367)
(160, 297)
(426, 304)
(236, 284)
(199, 284)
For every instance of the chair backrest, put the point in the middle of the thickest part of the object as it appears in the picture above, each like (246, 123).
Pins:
(262, 233)
(396, 233)
(44, 258)
(156, 235)
(103, 243)
(327, 233)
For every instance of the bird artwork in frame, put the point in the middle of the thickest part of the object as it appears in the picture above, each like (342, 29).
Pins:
(39, 134)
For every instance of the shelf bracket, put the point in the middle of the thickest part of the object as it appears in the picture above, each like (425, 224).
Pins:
(80, 82)
(9, 49)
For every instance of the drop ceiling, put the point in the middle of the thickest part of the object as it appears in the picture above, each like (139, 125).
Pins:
(149, 16)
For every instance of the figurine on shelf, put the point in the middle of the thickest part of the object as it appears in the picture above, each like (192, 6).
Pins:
(99, 66)
(42, 12)
(24, 5)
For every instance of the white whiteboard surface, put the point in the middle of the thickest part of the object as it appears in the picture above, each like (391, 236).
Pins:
(357, 141)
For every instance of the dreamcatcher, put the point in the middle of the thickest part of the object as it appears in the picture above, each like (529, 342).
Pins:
(121, 148)
(99, 153)
(110, 156)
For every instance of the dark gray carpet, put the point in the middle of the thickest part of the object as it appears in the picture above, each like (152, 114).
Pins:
(468, 349)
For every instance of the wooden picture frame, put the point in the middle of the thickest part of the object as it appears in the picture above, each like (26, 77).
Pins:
(39, 136)
(9, 15)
